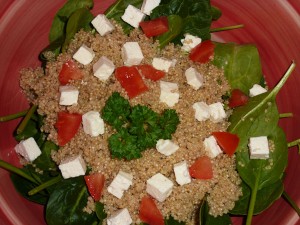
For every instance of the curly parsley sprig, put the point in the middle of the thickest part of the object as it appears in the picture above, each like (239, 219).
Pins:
(137, 128)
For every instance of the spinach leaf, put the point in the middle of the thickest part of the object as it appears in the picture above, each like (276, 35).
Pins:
(216, 13)
(206, 219)
(66, 203)
(265, 197)
(59, 22)
(116, 10)
(44, 161)
(172, 221)
(241, 64)
(101, 214)
(81, 18)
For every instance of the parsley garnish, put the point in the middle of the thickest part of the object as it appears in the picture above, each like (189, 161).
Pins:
(137, 128)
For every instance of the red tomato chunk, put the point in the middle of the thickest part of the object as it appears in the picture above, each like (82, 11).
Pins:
(150, 72)
(238, 98)
(69, 71)
(202, 168)
(227, 141)
(203, 52)
(149, 213)
(95, 184)
(67, 125)
(155, 27)
(131, 80)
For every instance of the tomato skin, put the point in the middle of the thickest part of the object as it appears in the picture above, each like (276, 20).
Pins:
(131, 80)
(150, 72)
(67, 125)
(155, 27)
(203, 52)
(149, 213)
(69, 71)
(237, 98)
(202, 168)
(227, 141)
(95, 183)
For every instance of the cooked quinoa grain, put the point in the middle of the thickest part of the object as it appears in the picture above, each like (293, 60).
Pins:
(42, 89)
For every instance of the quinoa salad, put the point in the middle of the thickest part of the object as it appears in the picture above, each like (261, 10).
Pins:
(43, 90)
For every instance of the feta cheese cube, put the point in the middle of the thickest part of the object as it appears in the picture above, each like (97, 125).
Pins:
(194, 78)
(73, 166)
(103, 68)
(202, 112)
(256, 90)
(217, 112)
(159, 187)
(120, 184)
(166, 147)
(259, 147)
(102, 24)
(182, 173)
(133, 16)
(189, 42)
(149, 5)
(162, 64)
(132, 53)
(68, 95)
(92, 123)
(28, 149)
(84, 55)
(121, 217)
(169, 93)
(211, 147)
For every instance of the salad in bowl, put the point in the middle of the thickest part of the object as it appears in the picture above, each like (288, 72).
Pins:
(139, 112)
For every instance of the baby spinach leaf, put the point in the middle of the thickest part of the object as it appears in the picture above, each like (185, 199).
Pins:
(265, 197)
(101, 214)
(206, 219)
(59, 22)
(172, 221)
(80, 19)
(116, 10)
(216, 13)
(241, 64)
(66, 203)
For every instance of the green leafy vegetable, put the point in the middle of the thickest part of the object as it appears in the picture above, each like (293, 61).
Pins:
(172, 221)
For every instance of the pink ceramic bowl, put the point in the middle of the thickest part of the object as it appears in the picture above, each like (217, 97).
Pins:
(273, 25)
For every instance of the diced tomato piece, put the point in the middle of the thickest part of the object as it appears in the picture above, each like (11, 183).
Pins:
(227, 141)
(67, 125)
(69, 71)
(131, 80)
(203, 52)
(202, 168)
(95, 184)
(150, 72)
(238, 98)
(149, 213)
(155, 27)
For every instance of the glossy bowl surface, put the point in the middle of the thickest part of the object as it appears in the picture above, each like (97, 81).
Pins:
(273, 25)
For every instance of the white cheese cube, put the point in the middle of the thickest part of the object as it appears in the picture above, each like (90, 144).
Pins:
(256, 90)
(28, 149)
(132, 53)
(166, 147)
(202, 112)
(73, 166)
(182, 173)
(259, 147)
(121, 217)
(92, 123)
(162, 64)
(159, 187)
(68, 95)
(102, 24)
(194, 78)
(169, 93)
(189, 42)
(211, 147)
(103, 68)
(120, 184)
(149, 5)
(217, 112)
(133, 16)
(84, 55)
